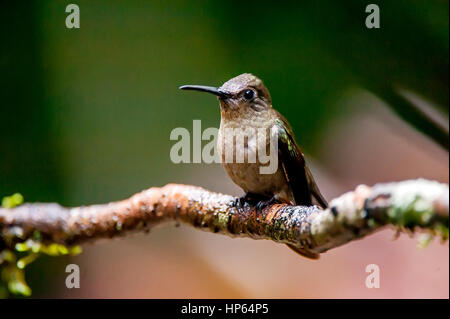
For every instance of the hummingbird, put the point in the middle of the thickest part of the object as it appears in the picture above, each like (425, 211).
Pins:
(246, 102)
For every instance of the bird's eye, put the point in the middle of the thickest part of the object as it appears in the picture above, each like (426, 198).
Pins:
(249, 94)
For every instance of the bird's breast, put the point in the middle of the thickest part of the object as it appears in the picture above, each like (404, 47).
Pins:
(239, 148)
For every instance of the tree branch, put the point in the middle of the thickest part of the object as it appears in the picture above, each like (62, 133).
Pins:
(409, 205)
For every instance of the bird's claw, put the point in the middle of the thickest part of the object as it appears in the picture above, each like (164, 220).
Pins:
(239, 202)
(253, 200)
(263, 204)
(248, 199)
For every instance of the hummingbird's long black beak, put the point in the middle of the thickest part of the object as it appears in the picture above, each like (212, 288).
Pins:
(209, 89)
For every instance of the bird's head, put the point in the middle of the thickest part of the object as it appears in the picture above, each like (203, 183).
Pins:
(243, 95)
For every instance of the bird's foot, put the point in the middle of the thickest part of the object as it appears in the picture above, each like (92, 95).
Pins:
(263, 204)
(248, 198)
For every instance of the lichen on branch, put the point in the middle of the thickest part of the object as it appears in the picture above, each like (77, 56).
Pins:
(55, 230)
(408, 205)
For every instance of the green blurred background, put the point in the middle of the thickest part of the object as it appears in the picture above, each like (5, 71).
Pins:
(86, 116)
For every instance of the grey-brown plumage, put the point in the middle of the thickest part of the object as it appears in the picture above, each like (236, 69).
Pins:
(246, 103)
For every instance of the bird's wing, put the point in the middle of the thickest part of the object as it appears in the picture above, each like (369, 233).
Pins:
(314, 190)
(297, 174)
